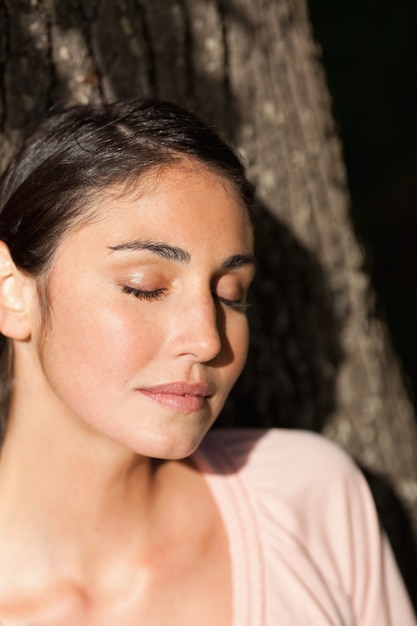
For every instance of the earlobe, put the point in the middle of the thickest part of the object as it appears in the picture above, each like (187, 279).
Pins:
(14, 304)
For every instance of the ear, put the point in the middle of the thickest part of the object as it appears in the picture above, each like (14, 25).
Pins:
(15, 298)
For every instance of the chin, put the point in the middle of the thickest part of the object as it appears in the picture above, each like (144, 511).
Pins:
(171, 446)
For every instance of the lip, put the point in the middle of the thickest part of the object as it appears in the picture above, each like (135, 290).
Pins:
(180, 396)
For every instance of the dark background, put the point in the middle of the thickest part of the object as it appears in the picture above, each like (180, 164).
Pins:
(370, 58)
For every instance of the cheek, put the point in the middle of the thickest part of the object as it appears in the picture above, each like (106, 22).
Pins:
(90, 346)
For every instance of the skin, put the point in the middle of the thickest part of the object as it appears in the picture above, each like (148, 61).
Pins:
(92, 525)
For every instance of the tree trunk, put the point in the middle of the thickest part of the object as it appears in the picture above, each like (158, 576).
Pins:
(250, 68)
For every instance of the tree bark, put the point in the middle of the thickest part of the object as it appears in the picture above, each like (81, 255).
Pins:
(320, 359)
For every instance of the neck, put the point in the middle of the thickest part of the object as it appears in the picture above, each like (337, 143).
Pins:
(73, 494)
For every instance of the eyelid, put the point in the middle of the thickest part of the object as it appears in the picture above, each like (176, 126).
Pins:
(236, 304)
(143, 294)
(231, 290)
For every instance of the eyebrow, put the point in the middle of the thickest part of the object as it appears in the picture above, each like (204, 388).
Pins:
(239, 260)
(164, 250)
(173, 253)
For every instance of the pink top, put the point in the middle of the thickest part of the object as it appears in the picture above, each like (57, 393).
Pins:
(305, 544)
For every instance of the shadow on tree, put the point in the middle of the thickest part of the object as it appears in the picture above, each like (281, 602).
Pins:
(295, 349)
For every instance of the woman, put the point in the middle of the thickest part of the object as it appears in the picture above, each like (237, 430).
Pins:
(125, 259)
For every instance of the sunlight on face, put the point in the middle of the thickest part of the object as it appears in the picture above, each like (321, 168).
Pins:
(148, 331)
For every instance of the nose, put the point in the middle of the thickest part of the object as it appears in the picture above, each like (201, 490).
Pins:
(197, 330)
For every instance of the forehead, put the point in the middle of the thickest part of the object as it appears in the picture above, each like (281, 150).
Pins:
(185, 204)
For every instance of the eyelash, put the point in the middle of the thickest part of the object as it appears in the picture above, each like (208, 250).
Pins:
(242, 307)
(155, 294)
(141, 294)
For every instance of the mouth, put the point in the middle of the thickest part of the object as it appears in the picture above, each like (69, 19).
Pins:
(180, 396)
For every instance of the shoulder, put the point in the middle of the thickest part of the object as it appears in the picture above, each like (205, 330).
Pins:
(302, 480)
(316, 524)
(311, 507)
(256, 451)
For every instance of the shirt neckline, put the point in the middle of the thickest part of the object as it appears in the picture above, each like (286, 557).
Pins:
(238, 517)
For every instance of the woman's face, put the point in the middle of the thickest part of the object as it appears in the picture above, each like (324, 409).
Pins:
(148, 331)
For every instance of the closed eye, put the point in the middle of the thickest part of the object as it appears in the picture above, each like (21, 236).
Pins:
(155, 294)
(143, 294)
(237, 305)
